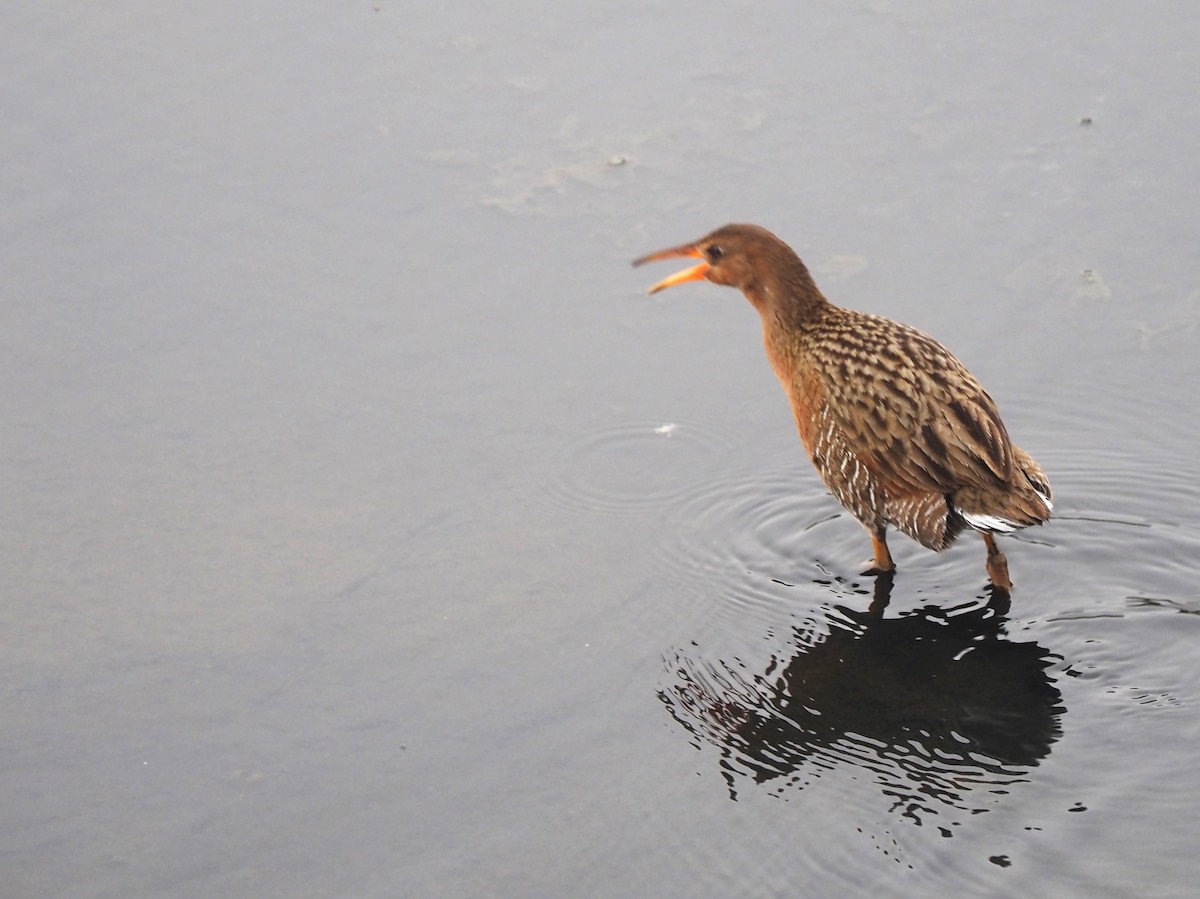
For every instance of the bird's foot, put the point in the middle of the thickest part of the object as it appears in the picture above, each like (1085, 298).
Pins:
(873, 570)
(882, 563)
(997, 569)
(997, 564)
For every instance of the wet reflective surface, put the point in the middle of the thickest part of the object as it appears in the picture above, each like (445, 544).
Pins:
(934, 705)
(367, 531)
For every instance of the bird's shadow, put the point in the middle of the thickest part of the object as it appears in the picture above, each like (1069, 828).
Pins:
(936, 704)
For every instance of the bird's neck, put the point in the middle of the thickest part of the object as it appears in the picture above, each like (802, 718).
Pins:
(788, 299)
(792, 308)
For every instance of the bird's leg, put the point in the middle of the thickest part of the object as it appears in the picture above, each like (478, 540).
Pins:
(997, 565)
(883, 558)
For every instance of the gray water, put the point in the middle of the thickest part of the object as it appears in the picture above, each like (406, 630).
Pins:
(368, 531)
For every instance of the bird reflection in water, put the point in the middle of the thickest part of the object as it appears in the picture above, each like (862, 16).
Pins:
(936, 703)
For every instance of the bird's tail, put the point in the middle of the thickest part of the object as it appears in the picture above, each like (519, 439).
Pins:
(1036, 477)
(1026, 501)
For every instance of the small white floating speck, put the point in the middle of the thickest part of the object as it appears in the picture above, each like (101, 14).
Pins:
(666, 430)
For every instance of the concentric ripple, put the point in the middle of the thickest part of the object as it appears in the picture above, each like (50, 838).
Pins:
(632, 466)
(1118, 527)
(748, 537)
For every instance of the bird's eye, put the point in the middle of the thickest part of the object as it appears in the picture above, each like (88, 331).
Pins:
(714, 253)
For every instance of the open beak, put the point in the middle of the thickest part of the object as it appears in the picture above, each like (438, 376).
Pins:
(695, 273)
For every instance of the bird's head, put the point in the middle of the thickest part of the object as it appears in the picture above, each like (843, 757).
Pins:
(747, 257)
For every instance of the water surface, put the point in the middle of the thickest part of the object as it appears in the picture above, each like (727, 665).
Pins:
(368, 532)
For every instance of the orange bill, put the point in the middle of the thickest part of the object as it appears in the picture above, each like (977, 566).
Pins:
(695, 273)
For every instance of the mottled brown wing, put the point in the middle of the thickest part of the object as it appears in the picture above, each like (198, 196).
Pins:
(914, 415)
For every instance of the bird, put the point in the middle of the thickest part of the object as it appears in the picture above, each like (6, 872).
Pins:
(900, 432)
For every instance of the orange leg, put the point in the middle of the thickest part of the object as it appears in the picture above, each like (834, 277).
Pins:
(883, 558)
(997, 565)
